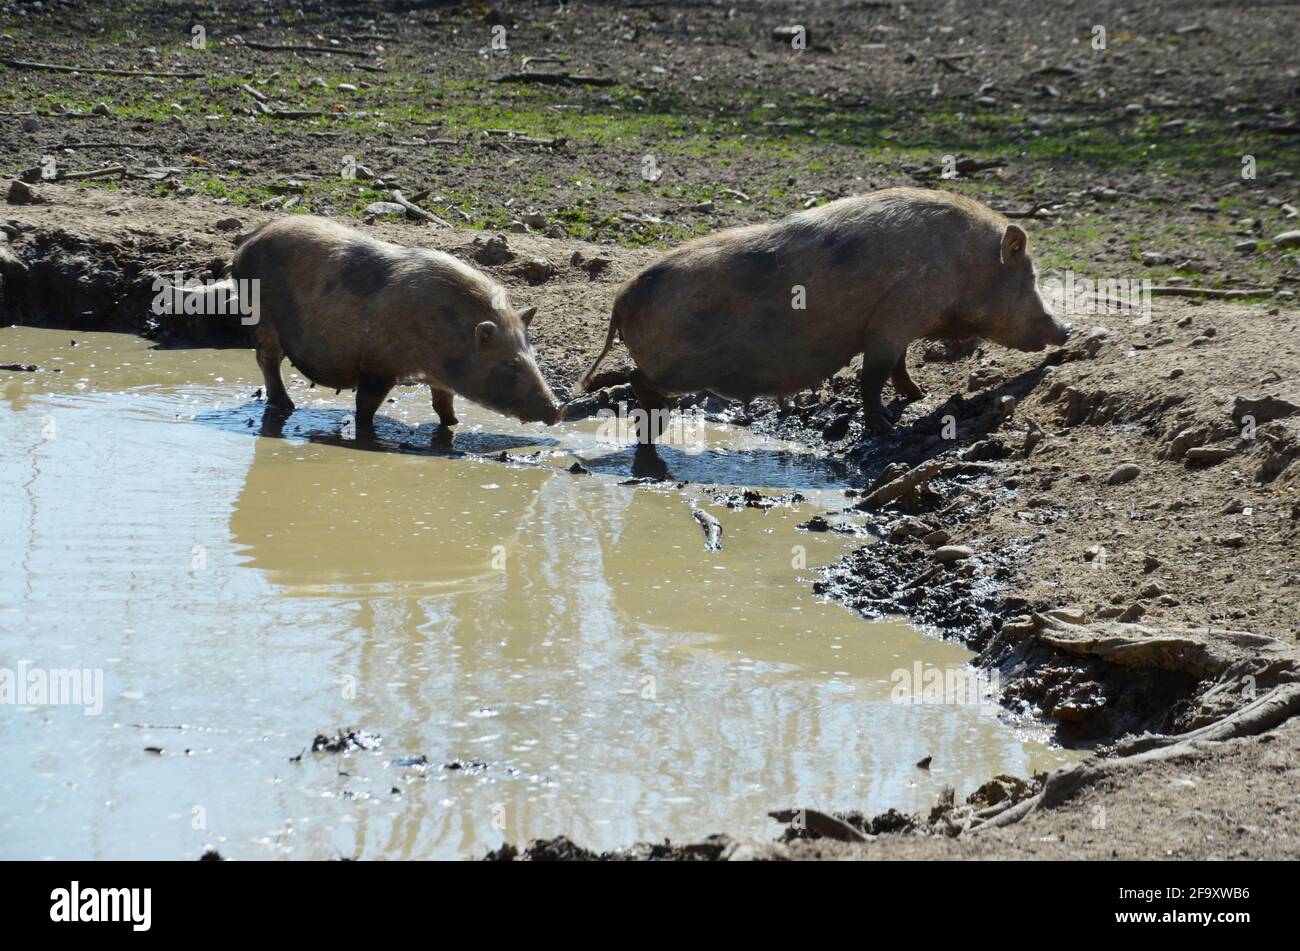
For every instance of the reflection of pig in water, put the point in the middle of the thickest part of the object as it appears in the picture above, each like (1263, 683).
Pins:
(775, 309)
(353, 312)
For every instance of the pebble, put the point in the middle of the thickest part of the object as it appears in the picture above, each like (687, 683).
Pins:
(1123, 473)
(947, 553)
(1132, 613)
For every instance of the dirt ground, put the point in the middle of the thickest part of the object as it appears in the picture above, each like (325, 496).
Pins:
(1127, 508)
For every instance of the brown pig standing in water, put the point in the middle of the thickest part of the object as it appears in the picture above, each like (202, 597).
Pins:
(775, 309)
(350, 311)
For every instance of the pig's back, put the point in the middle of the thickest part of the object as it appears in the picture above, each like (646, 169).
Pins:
(327, 290)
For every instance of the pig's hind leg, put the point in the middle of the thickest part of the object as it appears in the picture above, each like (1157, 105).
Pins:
(904, 385)
(877, 367)
(444, 406)
(269, 358)
(654, 404)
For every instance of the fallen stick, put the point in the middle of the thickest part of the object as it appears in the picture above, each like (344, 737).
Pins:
(97, 145)
(96, 173)
(415, 211)
(1279, 704)
(1031, 213)
(902, 485)
(290, 48)
(256, 94)
(555, 60)
(1174, 291)
(820, 825)
(59, 68)
(557, 79)
(712, 529)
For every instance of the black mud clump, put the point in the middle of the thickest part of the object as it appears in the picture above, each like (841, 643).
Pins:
(561, 849)
(345, 742)
(59, 279)
(1091, 701)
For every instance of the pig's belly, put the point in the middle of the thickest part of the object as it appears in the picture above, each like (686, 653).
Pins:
(743, 363)
(322, 367)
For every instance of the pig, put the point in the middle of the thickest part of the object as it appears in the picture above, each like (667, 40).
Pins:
(353, 312)
(770, 310)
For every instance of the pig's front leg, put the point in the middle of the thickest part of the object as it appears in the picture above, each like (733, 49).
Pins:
(371, 393)
(443, 401)
(876, 369)
(904, 385)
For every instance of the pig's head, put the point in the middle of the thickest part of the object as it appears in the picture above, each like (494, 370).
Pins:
(501, 372)
(1012, 312)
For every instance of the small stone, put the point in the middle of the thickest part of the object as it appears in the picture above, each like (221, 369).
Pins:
(937, 538)
(1154, 257)
(494, 251)
(1132, 613)
(1233, 541)
(536, 220)
(1092, 552)
(1246, 247)
(948, 553)
(100, 109)
(346, 87)
(537, 270)
(1134, 109)
(1150, 563)
(1123, 473)
(988, 102)
(1287, 239)
(1152, 590)
(579, 469)
(229, 224)
(1209, 453)
(837, 428)
(380, 208)
(1068, 615)
(1262, 409)
(597, 265)
(20, 193)
(925, 763)
(31, 124)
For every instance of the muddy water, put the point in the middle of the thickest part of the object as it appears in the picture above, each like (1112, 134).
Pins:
(530, 652)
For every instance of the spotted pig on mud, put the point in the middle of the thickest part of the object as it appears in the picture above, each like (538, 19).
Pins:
(775, 309)
(350, 311)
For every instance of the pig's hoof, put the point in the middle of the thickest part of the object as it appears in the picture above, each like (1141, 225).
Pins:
(280, 406)
(880, 426)
(448, 421)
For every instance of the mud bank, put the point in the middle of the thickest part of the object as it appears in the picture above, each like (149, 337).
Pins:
(1111, 525)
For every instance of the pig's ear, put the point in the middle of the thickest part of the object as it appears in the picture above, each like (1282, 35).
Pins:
(1014, 241)
(484, 332)
(527, 315)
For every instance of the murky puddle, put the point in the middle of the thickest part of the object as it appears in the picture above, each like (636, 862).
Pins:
(538, 652)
